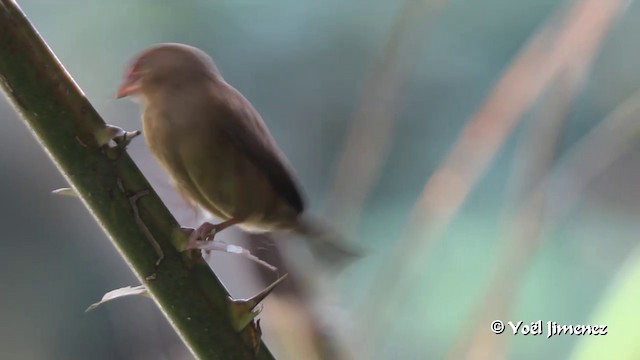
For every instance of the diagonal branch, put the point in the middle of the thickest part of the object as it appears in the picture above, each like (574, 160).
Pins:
(192, 298)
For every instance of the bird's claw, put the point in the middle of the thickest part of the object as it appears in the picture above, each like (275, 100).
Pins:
(205, 232)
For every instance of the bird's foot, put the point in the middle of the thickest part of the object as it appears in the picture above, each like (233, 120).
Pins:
(204, 233)
(207, 231)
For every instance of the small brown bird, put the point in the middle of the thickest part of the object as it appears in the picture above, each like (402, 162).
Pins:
(217, 148)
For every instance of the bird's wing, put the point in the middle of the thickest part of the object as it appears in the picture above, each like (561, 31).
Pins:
(245, 129)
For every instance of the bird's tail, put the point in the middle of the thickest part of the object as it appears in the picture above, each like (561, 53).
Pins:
(327, 245)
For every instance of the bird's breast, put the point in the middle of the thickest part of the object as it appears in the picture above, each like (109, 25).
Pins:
(213, 173)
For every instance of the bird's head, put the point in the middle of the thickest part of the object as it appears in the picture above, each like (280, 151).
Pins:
(166, 66)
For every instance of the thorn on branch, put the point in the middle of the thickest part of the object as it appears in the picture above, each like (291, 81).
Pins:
(118, 293)
(243, 311)
(115, 137)
(65, 192)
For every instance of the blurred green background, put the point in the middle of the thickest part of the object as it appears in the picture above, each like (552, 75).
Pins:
(308, 67)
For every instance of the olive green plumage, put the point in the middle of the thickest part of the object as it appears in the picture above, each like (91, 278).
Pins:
(215, 145)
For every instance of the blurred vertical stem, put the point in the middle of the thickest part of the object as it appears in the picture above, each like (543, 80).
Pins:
(371, 129)
(562, 41)
(529, 214)
(613, 137)
(68, 127)
(525, 218)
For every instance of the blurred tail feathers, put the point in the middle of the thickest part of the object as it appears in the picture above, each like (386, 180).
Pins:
(327, 245)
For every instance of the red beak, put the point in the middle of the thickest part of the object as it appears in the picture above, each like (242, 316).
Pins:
(127, 88)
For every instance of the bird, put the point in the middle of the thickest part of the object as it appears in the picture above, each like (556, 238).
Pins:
(218, 150)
